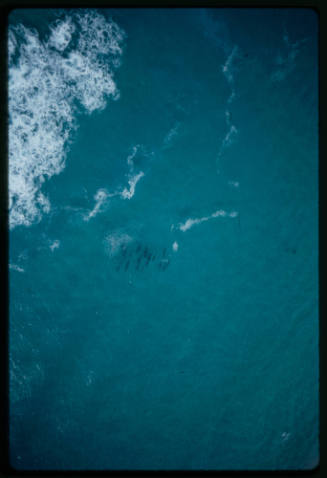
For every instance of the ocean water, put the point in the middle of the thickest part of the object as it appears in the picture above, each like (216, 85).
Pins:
(163, 181)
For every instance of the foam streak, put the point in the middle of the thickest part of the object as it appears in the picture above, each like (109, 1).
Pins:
(49, 80)
(193, 221)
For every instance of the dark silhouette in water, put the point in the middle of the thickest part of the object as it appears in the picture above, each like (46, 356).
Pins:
(139, 256)
(163, 264)
(292, 250)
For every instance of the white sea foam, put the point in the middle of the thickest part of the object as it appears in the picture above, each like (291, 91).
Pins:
(22, 381)
(285, 436)
(100, 197)
(89, 378)
(214, 29)
(54, 245)
(61, 34)
(128, 193)
(133, 177)
(219, 213)
(193, 221)
(131, 156)
(12, 45)
(234, 184)
(228, 139)
(228, 69)
(137, 154)
(49, 79)
(172, 133)
(285, 63)
(219, 33)
(15, 267)
(114, 241)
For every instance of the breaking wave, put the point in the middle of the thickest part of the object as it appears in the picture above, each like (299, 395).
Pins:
(50, 79)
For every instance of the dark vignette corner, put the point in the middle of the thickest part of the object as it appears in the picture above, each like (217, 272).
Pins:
(4, 238)
(6, 6)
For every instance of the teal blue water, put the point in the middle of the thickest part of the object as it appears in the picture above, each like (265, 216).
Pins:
(172, 324)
